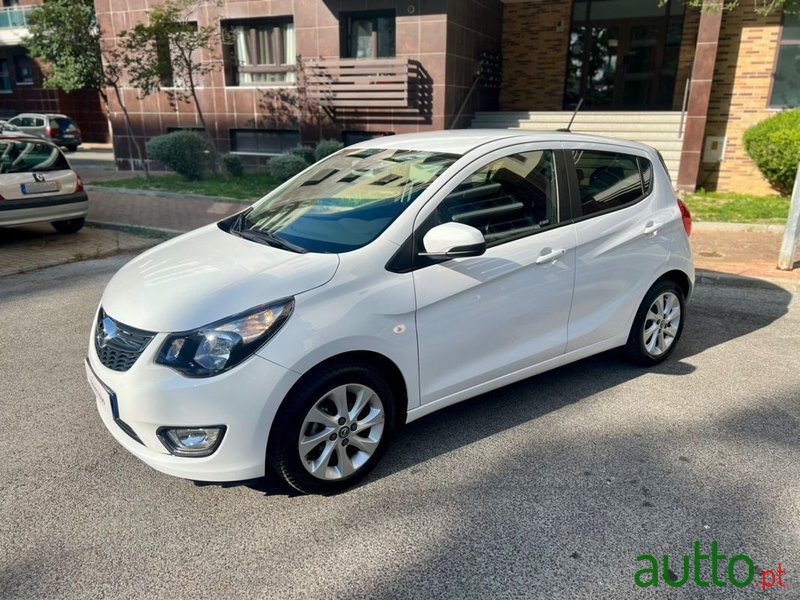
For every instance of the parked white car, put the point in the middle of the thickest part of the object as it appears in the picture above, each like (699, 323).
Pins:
(395, 278)
(37, 184)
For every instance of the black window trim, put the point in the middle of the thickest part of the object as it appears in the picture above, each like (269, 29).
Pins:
(574, 184)
(284, 65)
(408, 259)
(346, 20)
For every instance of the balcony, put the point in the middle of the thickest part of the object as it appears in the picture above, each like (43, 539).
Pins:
(346, 85)
(14, 17)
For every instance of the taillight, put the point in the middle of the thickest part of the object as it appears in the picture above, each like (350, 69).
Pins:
(687, 217)
(79, 186)
(48, 132)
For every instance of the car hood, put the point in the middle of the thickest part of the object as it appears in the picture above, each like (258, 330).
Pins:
(205, 276)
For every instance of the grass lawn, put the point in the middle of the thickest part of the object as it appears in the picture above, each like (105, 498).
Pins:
(242, 189)
(737, 208)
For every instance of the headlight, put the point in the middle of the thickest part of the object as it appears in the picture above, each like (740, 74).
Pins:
(220, 346)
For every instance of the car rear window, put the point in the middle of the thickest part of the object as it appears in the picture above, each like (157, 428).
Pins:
(19, 156)
(65, 125)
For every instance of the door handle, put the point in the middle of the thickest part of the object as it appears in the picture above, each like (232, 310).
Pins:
(550, 257)
(651, 228)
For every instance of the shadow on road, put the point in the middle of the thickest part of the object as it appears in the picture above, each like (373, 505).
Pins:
(715, 316)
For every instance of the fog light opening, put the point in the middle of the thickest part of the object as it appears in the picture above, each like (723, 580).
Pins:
(191, 441)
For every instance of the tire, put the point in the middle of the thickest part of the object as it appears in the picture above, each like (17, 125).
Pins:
(69, 226)
(654, 334)
(71, 148)
(336, 450)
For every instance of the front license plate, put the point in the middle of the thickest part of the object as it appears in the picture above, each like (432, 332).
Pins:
(104, 395)
(40, 187)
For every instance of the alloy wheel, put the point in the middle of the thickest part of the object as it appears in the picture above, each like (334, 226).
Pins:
(661, 324)
(341, 431)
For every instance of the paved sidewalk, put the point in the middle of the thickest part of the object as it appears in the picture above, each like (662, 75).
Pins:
(719, 247)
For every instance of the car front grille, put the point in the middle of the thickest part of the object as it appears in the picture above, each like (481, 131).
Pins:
(118, 346)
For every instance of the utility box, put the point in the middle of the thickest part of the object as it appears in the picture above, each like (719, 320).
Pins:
(714, 149)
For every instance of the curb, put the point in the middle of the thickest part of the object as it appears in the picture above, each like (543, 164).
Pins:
(724, 226)
(170, 195)
(140, 230)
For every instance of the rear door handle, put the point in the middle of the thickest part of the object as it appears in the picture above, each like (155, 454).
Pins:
(651, 228)
(550, 257)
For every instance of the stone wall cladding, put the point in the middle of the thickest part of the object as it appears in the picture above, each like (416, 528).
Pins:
(740, 96)
(422, 35)
(535, 54)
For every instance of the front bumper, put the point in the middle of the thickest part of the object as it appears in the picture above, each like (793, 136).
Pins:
(148, 396)
(43, 208)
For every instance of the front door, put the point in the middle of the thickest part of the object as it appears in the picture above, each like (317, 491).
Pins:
(484, 317)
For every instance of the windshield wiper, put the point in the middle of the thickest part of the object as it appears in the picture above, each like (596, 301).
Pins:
(265, 237)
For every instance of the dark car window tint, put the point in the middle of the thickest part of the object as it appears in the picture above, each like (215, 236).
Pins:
(607, 180)
(507, 199)
(66, 125)
(17, 156)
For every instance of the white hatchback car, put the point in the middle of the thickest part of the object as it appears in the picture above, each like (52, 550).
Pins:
(392, 279)
(37, 184)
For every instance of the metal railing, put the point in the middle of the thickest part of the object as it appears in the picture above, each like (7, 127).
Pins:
(14, 17)
(343, 83)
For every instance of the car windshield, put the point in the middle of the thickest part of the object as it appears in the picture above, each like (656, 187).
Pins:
(344, 202)
(21, 156)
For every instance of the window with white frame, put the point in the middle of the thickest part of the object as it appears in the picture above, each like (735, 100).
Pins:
(262, 53)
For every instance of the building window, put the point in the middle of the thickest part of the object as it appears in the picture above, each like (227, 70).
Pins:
(264, 141)
(262, 52)
(369, 35)
(786, 85)
(623, 54)
(5, 78)
(23, 66)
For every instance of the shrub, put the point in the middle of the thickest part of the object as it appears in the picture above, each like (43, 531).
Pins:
(233, 165)
(305, 152)
(326, 148)
(774, 145)
(185, 152)
(286, 166)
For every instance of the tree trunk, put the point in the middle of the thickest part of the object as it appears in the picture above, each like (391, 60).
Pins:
(131, 135)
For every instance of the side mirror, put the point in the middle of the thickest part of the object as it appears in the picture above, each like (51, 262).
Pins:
(453, 240)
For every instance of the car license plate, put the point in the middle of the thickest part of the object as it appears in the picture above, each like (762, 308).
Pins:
(40, 187)
(102, 393)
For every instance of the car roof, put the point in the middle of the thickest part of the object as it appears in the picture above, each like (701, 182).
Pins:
(462, 141)
(56, 115)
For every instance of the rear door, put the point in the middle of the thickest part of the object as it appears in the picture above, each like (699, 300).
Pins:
(485, 317)
(621, 239)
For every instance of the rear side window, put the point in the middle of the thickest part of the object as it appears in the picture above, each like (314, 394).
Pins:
(608, 180)
(17, 156)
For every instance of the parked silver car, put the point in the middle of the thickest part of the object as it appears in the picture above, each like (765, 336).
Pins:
(37, 184)
(57, 128)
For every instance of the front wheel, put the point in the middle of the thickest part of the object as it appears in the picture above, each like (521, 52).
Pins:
(332, 429)
(69, 226)
(658, 325)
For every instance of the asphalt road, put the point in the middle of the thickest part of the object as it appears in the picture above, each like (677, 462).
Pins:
(549, 488)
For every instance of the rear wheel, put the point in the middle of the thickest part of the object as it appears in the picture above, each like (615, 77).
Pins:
(658, 325)
(333, 429)
(69, 226)
(71, 148)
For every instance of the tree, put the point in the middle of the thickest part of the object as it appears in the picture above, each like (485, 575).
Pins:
(65, 37)
(761, 7)
(168, 51)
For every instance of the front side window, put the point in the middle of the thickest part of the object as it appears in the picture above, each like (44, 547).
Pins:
(609, 180)
(263, 52)
(786, 84)
(370, 35)
(18, 156)
(510, 198)
(344, 202)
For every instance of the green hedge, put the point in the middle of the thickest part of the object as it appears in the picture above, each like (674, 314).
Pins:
(774, 145)
(326, 148)
(185, 152)
(286, 166)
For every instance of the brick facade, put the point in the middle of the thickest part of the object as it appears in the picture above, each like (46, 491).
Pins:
(535, 47)
(443, 36)
(740, 97)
